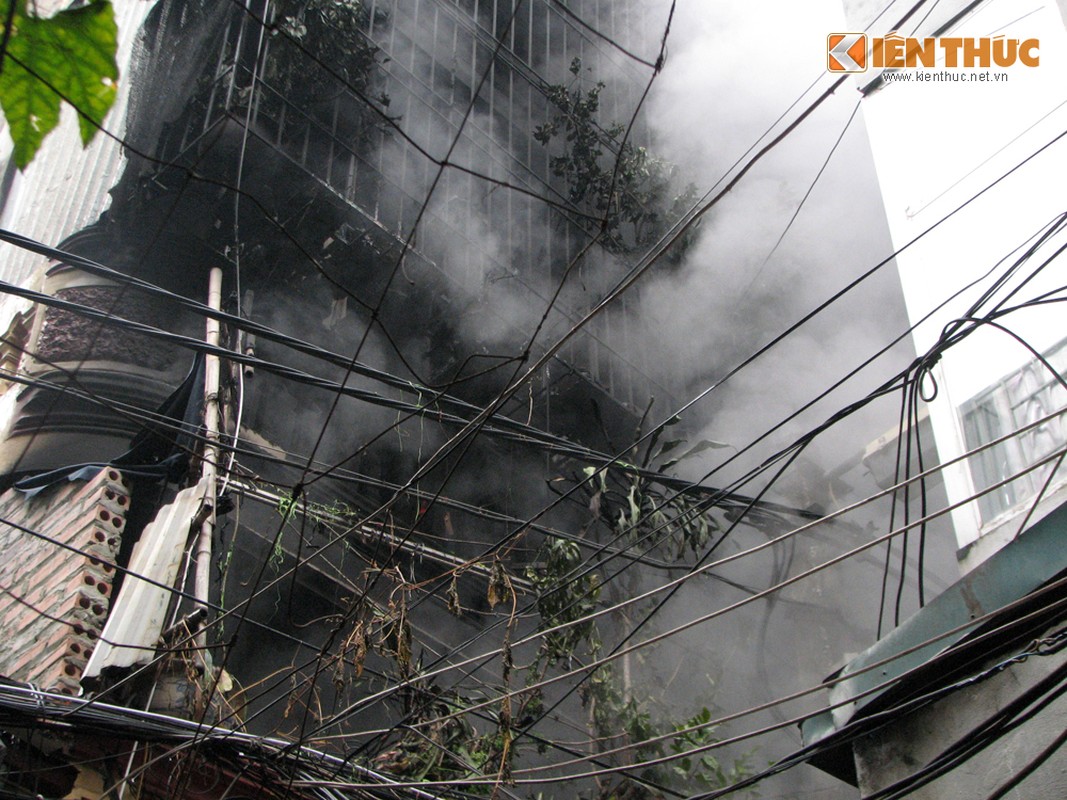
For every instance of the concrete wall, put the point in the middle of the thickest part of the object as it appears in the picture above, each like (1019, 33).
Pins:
(902, 748)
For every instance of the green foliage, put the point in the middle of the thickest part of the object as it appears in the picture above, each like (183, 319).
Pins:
(68, 56)
(628, 498)
(626, 185)
(637, 512)
(440, 742)
(702, 768)
(287, 506)
(562, 598)
(446, 747)
(313, 33)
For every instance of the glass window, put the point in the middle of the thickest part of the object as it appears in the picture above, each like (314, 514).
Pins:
(1023, 397)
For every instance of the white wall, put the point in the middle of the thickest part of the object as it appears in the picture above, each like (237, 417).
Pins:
(937, 144)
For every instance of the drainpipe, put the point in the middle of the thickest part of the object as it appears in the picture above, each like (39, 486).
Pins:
(202, 584)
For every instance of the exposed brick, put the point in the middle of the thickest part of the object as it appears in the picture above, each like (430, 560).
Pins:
(73, 587)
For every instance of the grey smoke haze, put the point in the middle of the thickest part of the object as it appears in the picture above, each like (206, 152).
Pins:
(731, 73)
(733, 68)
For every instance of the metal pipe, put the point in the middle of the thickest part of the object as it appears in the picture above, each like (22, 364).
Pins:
(202, 584)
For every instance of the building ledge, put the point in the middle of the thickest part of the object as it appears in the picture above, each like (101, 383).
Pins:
(1010, 598)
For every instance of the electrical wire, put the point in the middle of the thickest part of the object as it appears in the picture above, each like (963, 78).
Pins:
(855, 728)
(836, 416)
(803, 200)
(26, 705)
(237, 245)
(860, 726)
(721, 562)
(141, 416)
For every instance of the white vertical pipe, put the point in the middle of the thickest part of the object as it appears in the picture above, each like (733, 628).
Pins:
(202, 583)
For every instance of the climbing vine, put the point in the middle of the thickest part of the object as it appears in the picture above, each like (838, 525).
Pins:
(636, 512)
(440, 737)
(316, 40)
(605, 173)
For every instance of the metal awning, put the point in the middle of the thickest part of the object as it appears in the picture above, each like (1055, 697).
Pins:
(1020, 568)
(137, 615)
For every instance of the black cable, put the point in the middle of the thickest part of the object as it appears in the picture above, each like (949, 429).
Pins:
(870, 272)
(861, 727)
(701, 618)
(139, 415)
(1029, 768)
(1024, 622)
(892, 511)
(906, 431)
(803, 200)
(505, 428)
(562, 6)
(1007, 719)
(30, 707)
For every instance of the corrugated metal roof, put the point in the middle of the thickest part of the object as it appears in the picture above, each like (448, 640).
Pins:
(139, 611)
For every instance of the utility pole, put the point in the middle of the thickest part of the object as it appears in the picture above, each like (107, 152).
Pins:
(202, 584)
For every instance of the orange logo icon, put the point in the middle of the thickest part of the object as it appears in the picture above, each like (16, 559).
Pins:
(846, 52)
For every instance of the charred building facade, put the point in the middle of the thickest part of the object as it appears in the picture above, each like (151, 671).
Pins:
(411, 204)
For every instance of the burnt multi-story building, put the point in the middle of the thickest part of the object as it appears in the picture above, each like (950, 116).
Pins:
(411, 204)
(406, 218)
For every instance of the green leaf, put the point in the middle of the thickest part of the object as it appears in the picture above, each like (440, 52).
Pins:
(635, 508)
(31, 114)
(70, 56)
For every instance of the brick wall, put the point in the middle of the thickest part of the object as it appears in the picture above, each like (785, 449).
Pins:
(53, 602)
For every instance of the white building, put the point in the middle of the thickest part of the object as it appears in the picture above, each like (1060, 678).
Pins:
(971, 175)
(970, 161)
